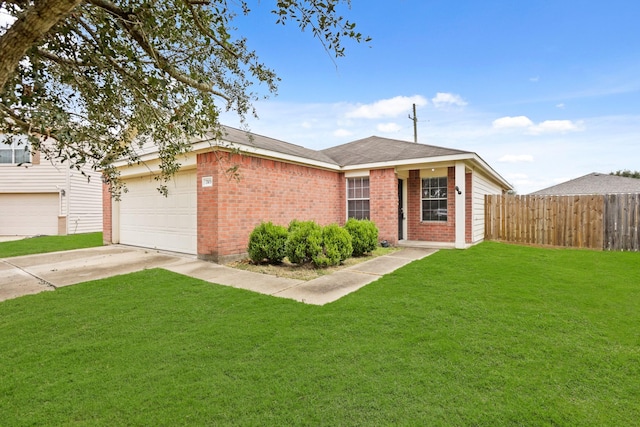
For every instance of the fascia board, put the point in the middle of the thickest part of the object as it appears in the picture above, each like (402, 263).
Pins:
(247, 149)
(206, 145)
(152, 166)
(407, 163)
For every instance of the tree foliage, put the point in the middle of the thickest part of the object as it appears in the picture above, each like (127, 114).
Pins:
(626, 173)
(100, 78)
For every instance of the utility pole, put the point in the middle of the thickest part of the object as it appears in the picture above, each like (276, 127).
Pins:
(415, 124)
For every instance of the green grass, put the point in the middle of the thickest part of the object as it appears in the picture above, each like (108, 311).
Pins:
(42, 244)
(493, 335)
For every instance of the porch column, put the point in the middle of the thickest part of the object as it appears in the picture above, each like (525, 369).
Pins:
(460, 205)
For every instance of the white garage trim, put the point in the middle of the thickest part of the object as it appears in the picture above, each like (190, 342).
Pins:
(149, 219)
(29, 214)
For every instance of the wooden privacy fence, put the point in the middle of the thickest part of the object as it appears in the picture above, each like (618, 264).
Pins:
(605, 222)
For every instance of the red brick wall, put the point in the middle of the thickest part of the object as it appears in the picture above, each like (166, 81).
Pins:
(267, 190)
(207, 205)
(106, 215)
(430, 231)
(383, 196)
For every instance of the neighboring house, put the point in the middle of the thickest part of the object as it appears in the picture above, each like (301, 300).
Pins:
(593, 183)
(413, 192)
(41, 197)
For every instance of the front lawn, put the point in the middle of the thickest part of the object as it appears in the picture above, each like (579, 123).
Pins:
(42, 244)
(493, 335)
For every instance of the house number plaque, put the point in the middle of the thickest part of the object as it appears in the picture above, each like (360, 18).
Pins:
(207, 181)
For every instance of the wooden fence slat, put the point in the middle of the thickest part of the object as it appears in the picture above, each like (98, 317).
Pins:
(609, 222)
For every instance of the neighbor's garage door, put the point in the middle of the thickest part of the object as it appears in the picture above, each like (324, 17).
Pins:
(29, 214)
(151, 220)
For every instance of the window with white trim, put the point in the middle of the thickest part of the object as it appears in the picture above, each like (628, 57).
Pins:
(14, 153)
(434, 199)
(358, 198)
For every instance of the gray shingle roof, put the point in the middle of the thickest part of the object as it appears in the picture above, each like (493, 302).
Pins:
(593, 183)
(376, 149)
(254, 140)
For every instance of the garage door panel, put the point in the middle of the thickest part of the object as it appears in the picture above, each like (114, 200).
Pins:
(149, 219)
(29, 214)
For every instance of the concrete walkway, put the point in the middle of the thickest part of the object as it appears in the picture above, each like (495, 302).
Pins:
(45, 272)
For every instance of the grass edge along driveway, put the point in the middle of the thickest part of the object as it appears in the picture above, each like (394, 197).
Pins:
(493, 335)
(44, 244)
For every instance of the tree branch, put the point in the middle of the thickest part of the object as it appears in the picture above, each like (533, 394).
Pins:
(59, 60)
(28, 29)
(129, 23)
(207, 31)
(17, 120)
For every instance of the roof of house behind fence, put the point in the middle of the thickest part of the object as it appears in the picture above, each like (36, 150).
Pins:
(593, 183)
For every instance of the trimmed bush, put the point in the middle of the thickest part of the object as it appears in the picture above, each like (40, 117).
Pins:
(295, 223)
(336, 246)
(304, 242)
(267, 241)
(364, 235)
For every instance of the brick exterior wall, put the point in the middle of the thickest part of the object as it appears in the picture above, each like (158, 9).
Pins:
(383, 199)
(267, 190)
(276, 191)
(207, 205)
(106, 215)
(430, 231)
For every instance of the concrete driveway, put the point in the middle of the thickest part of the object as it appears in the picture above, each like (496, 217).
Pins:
(46, 272)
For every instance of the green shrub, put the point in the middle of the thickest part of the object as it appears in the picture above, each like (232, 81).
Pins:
(304, 241)
(294, 224)
(364, 235)
(336, 246)
(267, 241)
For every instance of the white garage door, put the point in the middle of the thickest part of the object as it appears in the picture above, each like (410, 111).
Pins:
(29, 214)
(151, 220)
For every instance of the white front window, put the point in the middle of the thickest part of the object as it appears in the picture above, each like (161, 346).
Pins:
(358, 198)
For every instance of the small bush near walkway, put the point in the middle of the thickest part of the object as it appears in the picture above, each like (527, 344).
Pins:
(267, 242)
(364, 235)
(305, 241)
(336, 246)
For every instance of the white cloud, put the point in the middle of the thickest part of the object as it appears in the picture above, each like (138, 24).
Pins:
(547, 126)
(535, 79)
(512, 122)
(342, 133)
(443, 99)
(516, 158)
(392, 107)
(388, 127)
(556, 126)
(561, 105)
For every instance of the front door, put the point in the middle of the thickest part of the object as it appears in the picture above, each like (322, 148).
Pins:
(400, 211)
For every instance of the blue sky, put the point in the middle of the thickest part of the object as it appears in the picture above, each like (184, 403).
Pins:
(544, 91)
